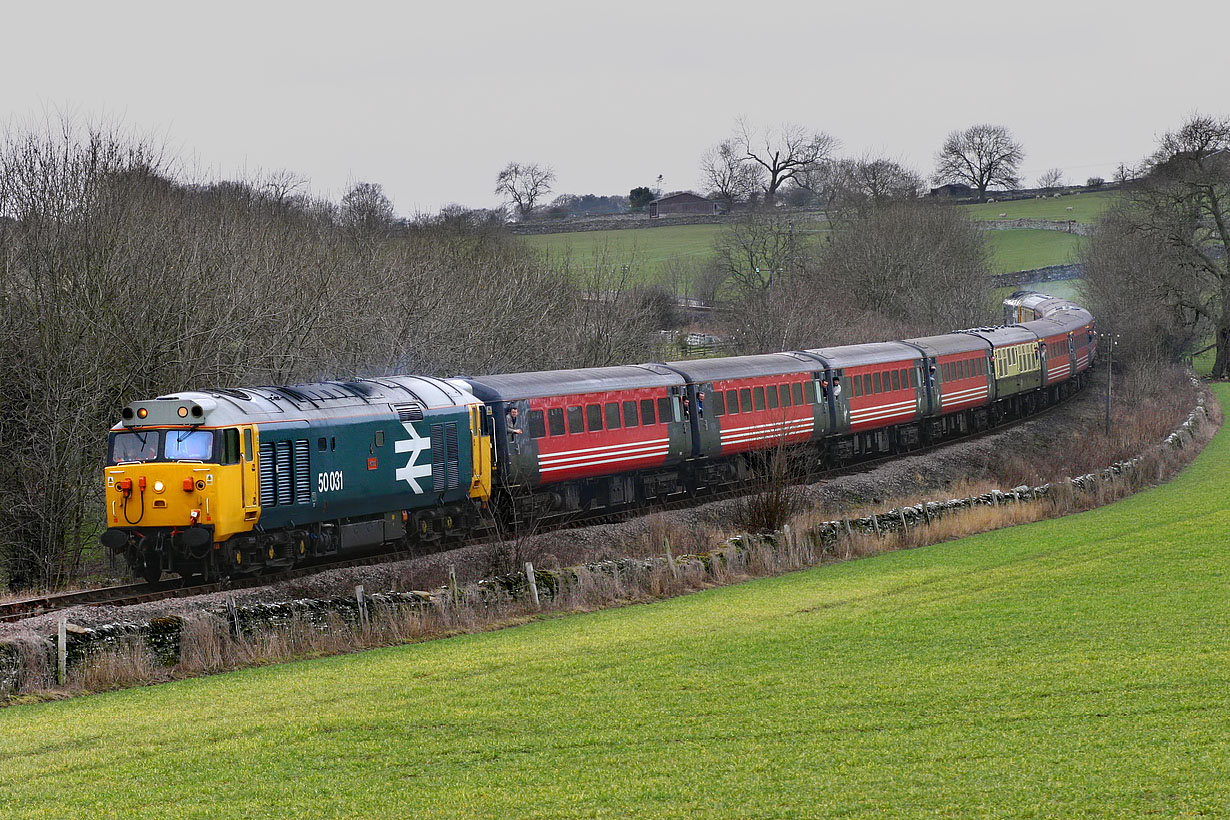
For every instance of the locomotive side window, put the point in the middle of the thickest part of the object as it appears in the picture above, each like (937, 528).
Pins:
(247, 444)
(593, 417)
(647, 416)
(732, 401)
(612, 415)
(576, 419)
(796, 390)
(538, 427)
(230, 446)
(555, 420)
(630, 414)
(322, 444)
(745, 399)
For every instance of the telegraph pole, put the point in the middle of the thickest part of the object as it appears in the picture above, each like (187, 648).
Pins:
(1110, 374)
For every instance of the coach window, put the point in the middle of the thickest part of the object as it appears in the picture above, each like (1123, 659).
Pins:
(612, 415)
(809, 392)
(630, 414)
(719, 403)
(785, 394)
(647, 416)
(732, 401)
(593, 417)
(875, 382)
(866, 384)
(745, 399)
(538, 427)
(896, 374)
(666, 413)
(758, 397)
(772, 396)
(555, 420)
(576, 419)
(796, 390)
(858, 386)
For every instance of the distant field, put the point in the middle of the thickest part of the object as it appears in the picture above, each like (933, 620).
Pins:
(1028, 249)
(651, 250)
(1085, 208)
(1066, 289)
(1071, 668)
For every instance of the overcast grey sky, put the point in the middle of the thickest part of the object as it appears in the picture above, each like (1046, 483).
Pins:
(431, 100)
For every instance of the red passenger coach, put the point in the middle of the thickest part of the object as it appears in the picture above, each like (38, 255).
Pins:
(582, 428)
(880, 383)
(755, 402)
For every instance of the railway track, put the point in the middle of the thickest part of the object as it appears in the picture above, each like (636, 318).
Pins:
(129, 594)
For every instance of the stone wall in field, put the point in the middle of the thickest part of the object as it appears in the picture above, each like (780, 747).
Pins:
(1051, 273)
(1064, 225)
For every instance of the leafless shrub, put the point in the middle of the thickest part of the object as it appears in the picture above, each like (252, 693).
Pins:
(126, 663)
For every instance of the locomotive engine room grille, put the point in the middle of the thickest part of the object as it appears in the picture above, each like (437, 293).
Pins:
(445, 473)
(408, 412)
(285, 473)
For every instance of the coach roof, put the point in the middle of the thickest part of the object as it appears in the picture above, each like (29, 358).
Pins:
(538, 384)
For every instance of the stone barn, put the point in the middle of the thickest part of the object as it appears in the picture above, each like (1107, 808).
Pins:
(683, 203)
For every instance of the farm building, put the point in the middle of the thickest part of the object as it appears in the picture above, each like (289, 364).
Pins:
(953, 190)
(684, 202)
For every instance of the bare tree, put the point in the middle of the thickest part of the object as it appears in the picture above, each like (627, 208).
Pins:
(524, 184)
(916, 266)
(1182, 204)
(1051, 178)
(726, 175)
(366, 209)
(849, 187)
(981, 156)
(782, 153)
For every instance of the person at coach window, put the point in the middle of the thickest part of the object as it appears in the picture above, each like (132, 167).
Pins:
(514, 429)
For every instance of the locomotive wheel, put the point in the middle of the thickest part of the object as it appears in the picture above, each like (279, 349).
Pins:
(151, 569)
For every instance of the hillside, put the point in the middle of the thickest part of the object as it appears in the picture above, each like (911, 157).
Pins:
(1071, 667)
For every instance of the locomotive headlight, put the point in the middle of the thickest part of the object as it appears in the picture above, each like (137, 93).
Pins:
(158, 487)
(183, 412)
(142, 413)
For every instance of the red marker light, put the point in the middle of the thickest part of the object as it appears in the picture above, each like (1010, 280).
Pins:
(188, 485)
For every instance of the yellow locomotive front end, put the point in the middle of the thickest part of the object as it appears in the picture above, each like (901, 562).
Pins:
(177, 488)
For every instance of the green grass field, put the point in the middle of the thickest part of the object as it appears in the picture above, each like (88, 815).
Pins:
(1065, 289)
(1071, 668)
(1028, 249)
(1086, 208)
(653, 249)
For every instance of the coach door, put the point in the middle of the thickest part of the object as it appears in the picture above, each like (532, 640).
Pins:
(706, 434)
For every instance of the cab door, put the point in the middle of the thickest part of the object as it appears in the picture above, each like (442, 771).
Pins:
(249, 475)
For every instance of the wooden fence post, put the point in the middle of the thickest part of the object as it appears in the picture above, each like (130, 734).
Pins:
(361, 600)
(533, 582)
(233, 612)
(875, 523)
(62, 651)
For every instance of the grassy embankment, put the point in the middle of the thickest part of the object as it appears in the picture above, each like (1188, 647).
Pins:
(1072, 667)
